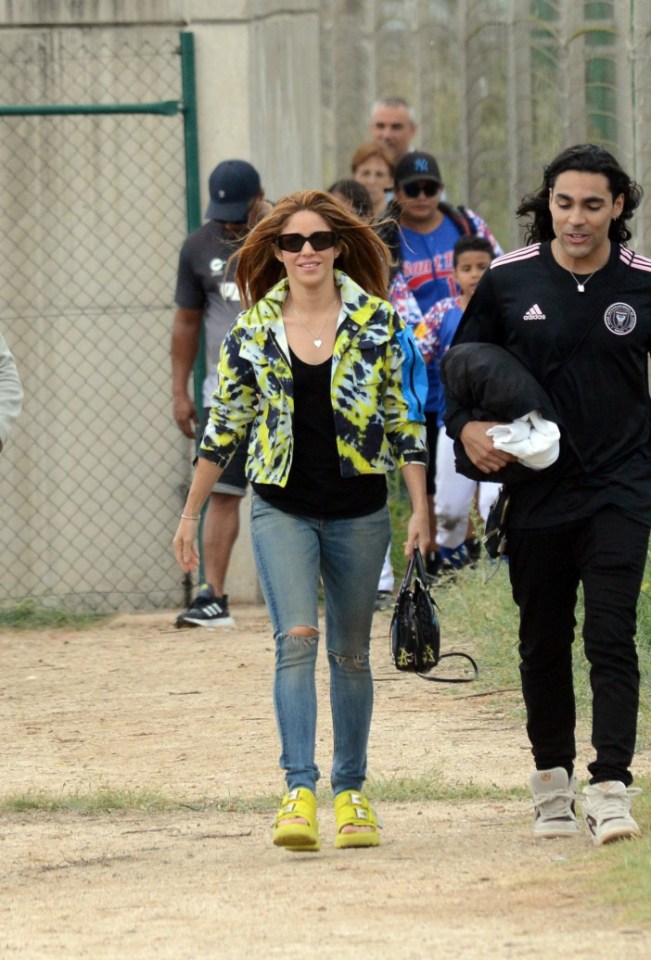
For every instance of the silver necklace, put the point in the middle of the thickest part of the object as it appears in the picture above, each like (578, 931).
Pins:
(580, 284)
(316, 340)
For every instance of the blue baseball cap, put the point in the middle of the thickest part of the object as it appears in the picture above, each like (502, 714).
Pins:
(232, 185)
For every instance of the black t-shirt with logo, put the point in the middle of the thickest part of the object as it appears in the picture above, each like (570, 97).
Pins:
(206, 281)
(590, 351)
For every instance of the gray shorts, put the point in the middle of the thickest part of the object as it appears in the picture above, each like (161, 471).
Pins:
(233, 479)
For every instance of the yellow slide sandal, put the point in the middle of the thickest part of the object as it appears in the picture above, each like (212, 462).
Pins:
(297, 837)
(353, 809)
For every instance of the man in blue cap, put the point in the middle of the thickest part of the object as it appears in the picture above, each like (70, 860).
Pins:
(206, 294)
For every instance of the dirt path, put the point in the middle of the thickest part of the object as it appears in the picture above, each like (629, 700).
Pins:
(138, 704)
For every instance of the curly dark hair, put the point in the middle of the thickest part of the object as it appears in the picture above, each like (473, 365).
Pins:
(586, 158)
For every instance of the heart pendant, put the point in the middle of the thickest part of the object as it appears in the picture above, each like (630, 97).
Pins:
(317, 343)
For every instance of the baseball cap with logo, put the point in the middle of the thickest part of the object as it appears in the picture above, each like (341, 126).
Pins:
(417, 166)
(232, 186)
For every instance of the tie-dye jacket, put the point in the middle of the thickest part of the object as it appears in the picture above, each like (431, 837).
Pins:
(378, 388)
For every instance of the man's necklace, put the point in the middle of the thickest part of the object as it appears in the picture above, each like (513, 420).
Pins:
(580, 284)
(316, 340)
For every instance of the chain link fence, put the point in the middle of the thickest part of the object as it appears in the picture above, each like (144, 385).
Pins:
(94, 472)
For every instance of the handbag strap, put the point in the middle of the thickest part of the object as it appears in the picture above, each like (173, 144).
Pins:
(415, 566)
(466, 656)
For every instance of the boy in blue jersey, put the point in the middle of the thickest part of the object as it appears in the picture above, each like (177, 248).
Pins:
(471, 256)
(422, 233)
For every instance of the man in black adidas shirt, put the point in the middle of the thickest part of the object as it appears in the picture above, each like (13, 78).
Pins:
(574, 307)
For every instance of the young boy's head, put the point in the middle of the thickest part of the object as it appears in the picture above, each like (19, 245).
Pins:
(472, 255)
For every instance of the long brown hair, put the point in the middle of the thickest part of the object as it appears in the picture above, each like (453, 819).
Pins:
(364, 256)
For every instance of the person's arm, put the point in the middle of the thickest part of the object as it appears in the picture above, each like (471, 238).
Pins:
(205, 477)
(480, 323)
(233, 408)
(405, 429)
(418, 526)
(185, 344)
(11, 391)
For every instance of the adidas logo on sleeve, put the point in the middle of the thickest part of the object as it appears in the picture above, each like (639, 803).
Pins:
(534, 313)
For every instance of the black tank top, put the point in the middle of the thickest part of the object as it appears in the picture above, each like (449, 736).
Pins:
(315, 487)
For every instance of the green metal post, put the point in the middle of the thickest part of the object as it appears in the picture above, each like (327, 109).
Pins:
(190, 132)
(193, 209)
(193, 187)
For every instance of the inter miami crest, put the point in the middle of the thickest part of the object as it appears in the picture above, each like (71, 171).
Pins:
(620, 318)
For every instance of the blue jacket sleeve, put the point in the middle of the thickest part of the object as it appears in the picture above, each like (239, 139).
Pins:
(414, 376)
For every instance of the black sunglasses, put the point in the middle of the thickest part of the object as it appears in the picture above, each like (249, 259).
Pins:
(428, 187)
(294, 242)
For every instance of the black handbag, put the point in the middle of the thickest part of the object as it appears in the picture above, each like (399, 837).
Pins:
(415, 629)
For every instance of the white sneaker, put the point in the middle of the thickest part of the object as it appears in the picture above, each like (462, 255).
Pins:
(554, 794)
(607, 811)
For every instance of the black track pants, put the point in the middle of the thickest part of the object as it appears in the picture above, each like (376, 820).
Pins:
(607, 554)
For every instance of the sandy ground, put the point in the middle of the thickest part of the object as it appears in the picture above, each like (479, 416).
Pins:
(136, 704)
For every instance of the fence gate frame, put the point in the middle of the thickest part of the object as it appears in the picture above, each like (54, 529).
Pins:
(187, 107)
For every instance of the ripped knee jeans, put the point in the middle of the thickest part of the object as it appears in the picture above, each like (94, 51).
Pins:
(293, 555)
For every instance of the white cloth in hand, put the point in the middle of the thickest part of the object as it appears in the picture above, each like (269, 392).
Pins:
(533, 440)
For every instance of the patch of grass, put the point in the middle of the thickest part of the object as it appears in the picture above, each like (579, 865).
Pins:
(623, 876)
(431, 787)
(29, 615)
(108, 801)
(94, 803)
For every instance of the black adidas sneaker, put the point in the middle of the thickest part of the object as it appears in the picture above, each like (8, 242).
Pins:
(206, 610)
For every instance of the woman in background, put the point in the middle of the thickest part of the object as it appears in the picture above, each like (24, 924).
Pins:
(373, 167)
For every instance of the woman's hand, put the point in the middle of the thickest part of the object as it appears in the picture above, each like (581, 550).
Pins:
(418, 527)
(206, 475)
(417, 533)
(185, 545)
(479, 447)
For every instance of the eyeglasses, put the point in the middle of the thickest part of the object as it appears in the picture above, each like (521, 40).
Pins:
(428, 187)
(294, 242)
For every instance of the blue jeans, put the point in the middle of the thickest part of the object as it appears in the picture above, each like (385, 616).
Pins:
(292, 554)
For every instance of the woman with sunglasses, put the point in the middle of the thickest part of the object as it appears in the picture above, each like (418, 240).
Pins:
(330, 380)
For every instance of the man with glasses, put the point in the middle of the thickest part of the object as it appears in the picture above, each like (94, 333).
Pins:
(422, 237)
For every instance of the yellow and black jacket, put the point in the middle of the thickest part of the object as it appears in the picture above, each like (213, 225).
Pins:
(378, 389)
